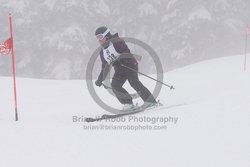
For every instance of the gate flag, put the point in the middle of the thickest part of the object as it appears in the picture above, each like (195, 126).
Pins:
(6, 47)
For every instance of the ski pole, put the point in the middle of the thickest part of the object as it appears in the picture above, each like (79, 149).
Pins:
(170, 86)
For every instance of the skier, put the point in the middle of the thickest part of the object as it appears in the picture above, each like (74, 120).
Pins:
(111, 54)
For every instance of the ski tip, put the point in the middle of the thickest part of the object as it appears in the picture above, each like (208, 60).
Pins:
(105, 116)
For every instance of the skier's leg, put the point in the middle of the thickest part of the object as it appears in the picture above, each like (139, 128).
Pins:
(134, 81)
(117, 82)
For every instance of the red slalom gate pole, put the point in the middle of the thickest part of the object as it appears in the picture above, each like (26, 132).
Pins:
(245, 61)
(13, 68)
(246, 45)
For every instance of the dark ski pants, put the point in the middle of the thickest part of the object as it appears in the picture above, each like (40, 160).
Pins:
(122, 95)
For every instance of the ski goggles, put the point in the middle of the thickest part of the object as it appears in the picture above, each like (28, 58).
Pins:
(101, 36)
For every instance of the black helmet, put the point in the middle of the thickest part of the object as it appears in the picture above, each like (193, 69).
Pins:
(104, 31)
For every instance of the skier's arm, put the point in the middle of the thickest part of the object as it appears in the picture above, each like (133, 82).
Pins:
(104, 72)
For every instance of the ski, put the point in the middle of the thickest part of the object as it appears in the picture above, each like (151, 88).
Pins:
(134, 111)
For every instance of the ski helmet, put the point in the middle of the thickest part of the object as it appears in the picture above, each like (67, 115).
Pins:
(102, 32)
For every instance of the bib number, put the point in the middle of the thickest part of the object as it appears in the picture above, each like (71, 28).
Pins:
(110, 54)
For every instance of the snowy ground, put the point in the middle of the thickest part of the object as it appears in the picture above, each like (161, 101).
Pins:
(211, 103)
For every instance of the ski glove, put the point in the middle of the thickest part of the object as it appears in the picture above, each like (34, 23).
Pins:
(98, 83)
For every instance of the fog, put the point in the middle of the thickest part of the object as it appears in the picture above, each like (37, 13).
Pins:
(54, 39)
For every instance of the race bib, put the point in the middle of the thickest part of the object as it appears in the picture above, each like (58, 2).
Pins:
(110, 54)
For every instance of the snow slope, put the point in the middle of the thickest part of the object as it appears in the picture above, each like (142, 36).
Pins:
(211, 103)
